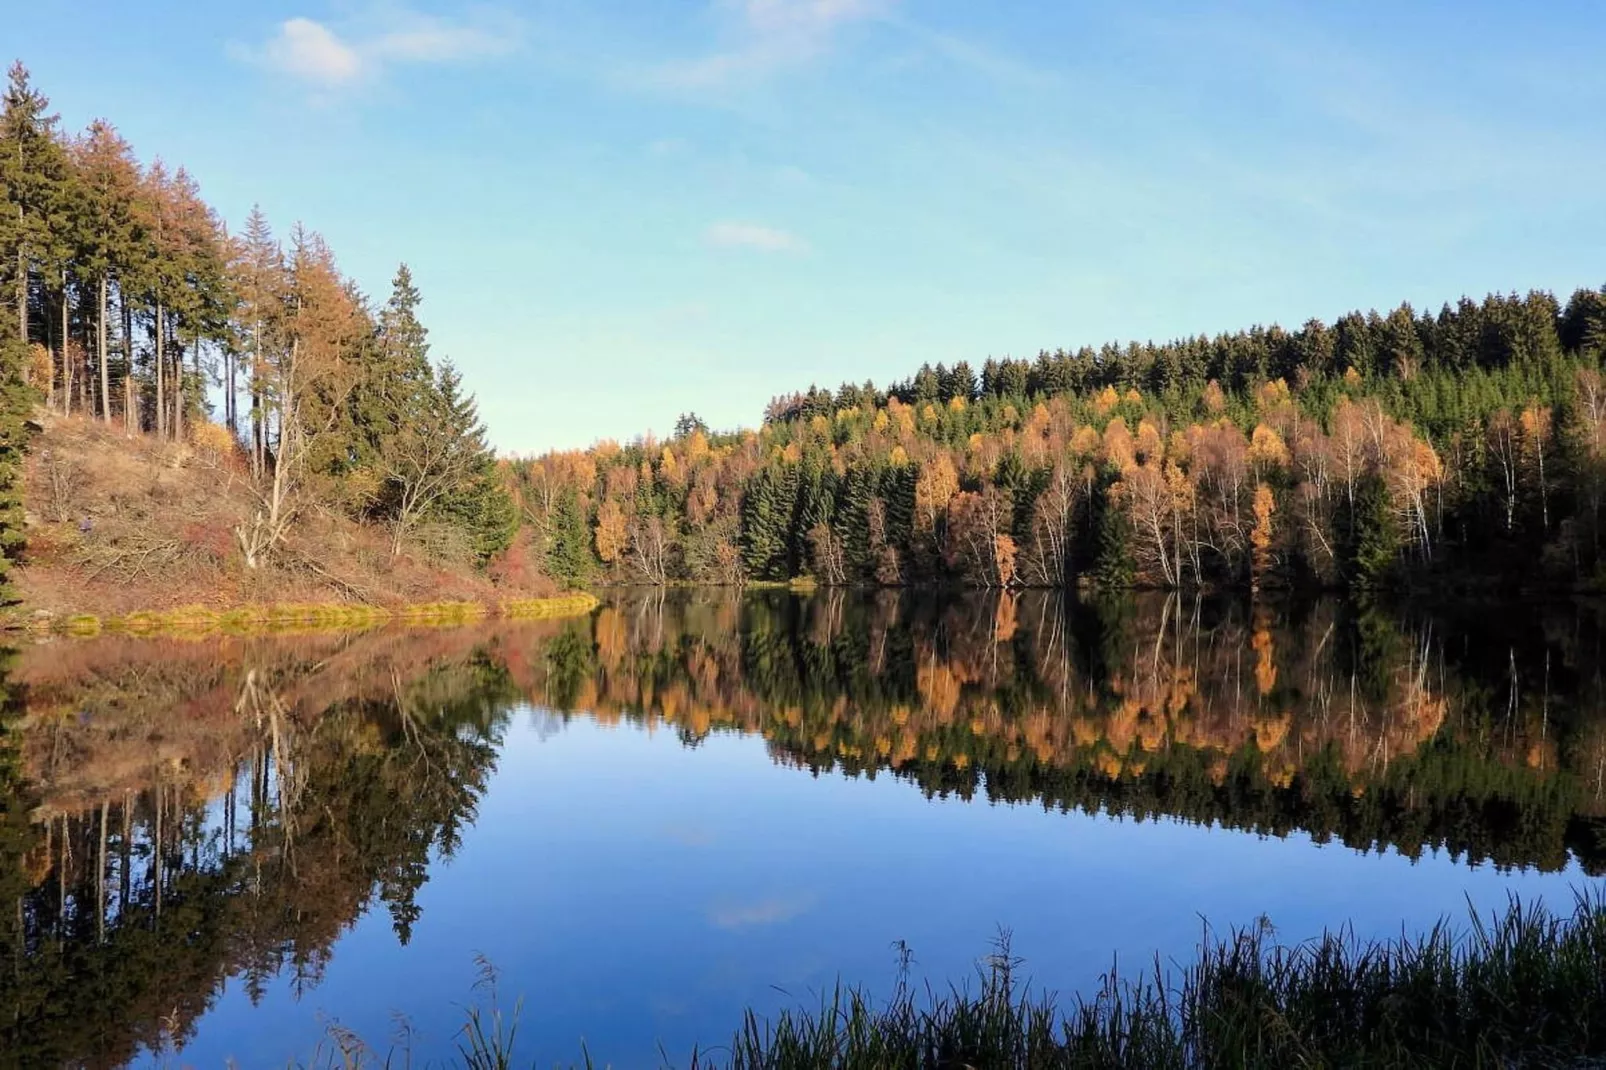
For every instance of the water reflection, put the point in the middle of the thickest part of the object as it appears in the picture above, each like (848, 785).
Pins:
(174, 814)
(177, 813)
(1459, 730)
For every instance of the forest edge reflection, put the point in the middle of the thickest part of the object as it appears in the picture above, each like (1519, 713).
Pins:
(177, 813)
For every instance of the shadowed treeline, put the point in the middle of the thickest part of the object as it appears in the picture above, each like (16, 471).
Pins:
(174, 813)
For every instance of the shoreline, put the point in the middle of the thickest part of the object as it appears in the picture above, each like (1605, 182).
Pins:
(260, 618)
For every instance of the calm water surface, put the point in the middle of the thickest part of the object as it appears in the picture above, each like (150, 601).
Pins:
(653, 818)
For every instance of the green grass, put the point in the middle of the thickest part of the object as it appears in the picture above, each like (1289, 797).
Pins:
(1526, 988)
(200, 621)
(541, 608)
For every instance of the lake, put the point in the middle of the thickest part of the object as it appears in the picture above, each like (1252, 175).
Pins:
(687, 804)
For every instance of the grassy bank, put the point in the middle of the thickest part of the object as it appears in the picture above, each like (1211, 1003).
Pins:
(1524, 988)
(251, 619)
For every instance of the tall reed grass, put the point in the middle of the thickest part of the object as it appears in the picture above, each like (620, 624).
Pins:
(1523, 988)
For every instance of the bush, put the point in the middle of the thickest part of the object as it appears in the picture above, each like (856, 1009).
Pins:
(212, 442)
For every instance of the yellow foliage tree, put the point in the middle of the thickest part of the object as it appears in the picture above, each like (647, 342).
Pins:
(936, 487)
(1267, 449)
(1004, 558)
(212, 441)
(1260, 535)
(1118, 446)
(612, 532)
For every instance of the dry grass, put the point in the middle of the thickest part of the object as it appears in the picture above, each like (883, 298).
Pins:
(140, 533)
(308, 617)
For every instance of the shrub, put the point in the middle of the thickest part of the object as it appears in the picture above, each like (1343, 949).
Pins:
(213, 442)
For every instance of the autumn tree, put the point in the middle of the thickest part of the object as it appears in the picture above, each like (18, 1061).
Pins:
(307, 384)
(1047, 556)
(612, 533)
(1260, 536)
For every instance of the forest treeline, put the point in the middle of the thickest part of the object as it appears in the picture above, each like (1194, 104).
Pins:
(1469, 445)
(1466, 446)
(130, 303)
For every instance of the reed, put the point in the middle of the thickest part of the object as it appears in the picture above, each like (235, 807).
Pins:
(1526, 987)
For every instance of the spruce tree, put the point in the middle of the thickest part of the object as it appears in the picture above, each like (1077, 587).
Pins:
(476, 499)
(109, 187)
(34, 177)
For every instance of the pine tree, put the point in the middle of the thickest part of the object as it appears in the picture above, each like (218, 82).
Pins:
(16, 401)
(439, 464)
(1113, 562)
(258, 274)
(109, 183)
(569, 556)
(34, 177)
(767, 510)
(1372, 552)
(396, 386)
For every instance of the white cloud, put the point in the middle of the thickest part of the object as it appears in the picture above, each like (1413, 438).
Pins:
(733, 235)
(312, 52)
(809, 18)
(318, 55)
(767, 36)
(427, 39)
(773, 910)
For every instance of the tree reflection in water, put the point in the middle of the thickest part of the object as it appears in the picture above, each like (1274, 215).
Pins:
(177, 813)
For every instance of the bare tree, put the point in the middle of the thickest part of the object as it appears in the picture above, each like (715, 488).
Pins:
(307, 388)
(650, 546)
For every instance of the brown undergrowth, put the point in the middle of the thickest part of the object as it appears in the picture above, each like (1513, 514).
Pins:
(131, 528)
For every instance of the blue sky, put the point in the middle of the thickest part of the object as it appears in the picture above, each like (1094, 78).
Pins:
(619, 211)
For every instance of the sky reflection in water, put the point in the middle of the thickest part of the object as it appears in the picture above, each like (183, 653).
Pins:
(639, 882)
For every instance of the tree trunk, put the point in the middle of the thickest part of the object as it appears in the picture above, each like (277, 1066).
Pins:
(22, 286)
(178, 391)
(258, 447)
(161, 366)
(130, 409)
(100, 349)
(66, 353)
(100, 877)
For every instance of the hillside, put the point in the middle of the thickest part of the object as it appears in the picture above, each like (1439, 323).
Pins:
(118, 523)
